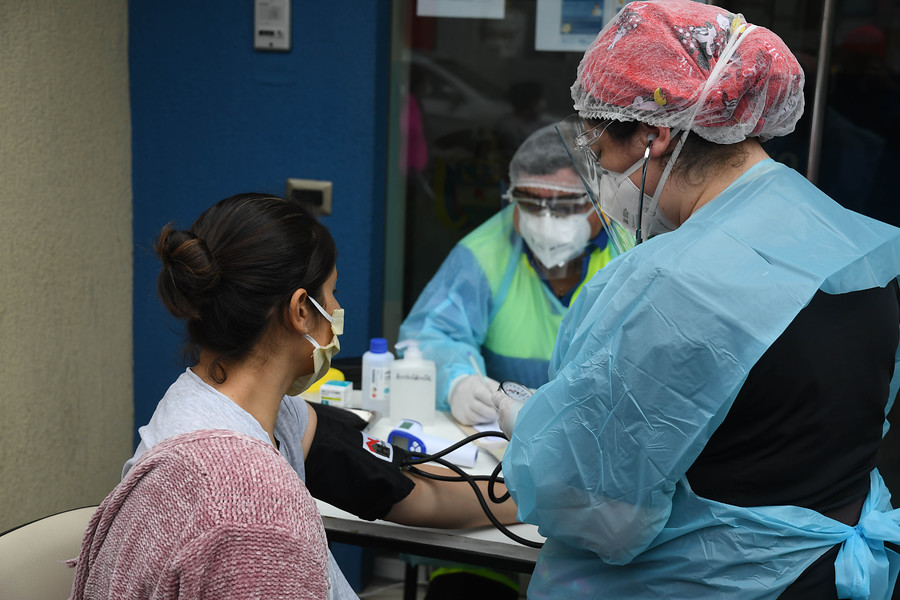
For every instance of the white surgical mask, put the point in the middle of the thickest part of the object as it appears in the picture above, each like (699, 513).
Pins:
(555, 240)
(620, 199)
(321, 355)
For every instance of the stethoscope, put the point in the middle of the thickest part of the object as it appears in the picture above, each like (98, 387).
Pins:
(514, 390)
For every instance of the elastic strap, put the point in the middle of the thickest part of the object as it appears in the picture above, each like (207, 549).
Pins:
(720, 66)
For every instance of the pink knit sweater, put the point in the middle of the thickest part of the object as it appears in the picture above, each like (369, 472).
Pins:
(207, 514)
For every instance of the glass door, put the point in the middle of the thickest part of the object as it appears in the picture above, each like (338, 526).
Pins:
(466, 91)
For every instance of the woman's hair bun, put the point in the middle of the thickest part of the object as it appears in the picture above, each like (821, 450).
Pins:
(189, 274)
(232, 274)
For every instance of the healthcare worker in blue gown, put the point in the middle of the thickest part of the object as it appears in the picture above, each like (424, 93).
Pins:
(503, 290)
(719, 391)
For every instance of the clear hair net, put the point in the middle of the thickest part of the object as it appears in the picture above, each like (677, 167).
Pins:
(543, 162)
(691, 66)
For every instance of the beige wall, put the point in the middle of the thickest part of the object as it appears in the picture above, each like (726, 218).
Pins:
(65, 255)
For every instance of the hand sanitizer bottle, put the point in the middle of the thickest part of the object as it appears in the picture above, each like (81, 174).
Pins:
(412, 385)
(376, 377)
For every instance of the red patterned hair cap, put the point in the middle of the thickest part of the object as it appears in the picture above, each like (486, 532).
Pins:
(691, 66)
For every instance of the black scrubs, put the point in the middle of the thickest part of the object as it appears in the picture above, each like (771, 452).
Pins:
(806, 427)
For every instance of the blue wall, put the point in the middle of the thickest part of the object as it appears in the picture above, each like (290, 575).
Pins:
(211, 117)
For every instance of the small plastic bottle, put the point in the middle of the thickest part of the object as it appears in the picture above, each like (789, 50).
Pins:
(413, 384)
(376, 377)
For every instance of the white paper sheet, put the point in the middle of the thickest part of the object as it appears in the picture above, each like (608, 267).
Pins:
(469, 9)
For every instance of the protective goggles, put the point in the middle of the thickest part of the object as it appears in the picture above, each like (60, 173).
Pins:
(560, 204)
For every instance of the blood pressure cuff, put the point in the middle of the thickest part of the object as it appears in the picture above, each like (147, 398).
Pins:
(351, 470)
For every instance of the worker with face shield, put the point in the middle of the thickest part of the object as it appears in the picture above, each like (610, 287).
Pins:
(718, 393)
(492, 310)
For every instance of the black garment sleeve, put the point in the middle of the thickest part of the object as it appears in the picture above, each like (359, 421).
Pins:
(351, 470)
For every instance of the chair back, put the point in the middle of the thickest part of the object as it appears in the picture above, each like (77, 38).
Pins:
(32, 556)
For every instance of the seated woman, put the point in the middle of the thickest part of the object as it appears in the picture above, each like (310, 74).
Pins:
(206, 514)
(254, 279)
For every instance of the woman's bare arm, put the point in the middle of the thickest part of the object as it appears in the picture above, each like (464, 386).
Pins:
(448, 504)
(432, 503)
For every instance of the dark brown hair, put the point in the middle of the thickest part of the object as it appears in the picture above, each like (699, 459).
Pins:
(237, 267)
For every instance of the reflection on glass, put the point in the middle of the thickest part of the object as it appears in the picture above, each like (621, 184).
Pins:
(477, 87)
(476, 107)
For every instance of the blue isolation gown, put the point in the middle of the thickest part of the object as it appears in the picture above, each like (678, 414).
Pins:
(648, 361)
(487, 300)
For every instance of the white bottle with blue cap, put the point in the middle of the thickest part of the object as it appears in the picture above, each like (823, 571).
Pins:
(376, 377)
(412, 385)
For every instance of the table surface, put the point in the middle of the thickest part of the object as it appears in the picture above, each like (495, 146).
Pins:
(484, 546)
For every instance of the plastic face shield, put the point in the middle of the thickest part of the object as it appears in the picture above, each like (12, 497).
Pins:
(577, 141)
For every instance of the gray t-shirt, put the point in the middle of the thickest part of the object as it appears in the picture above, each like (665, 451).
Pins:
(190, 405)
